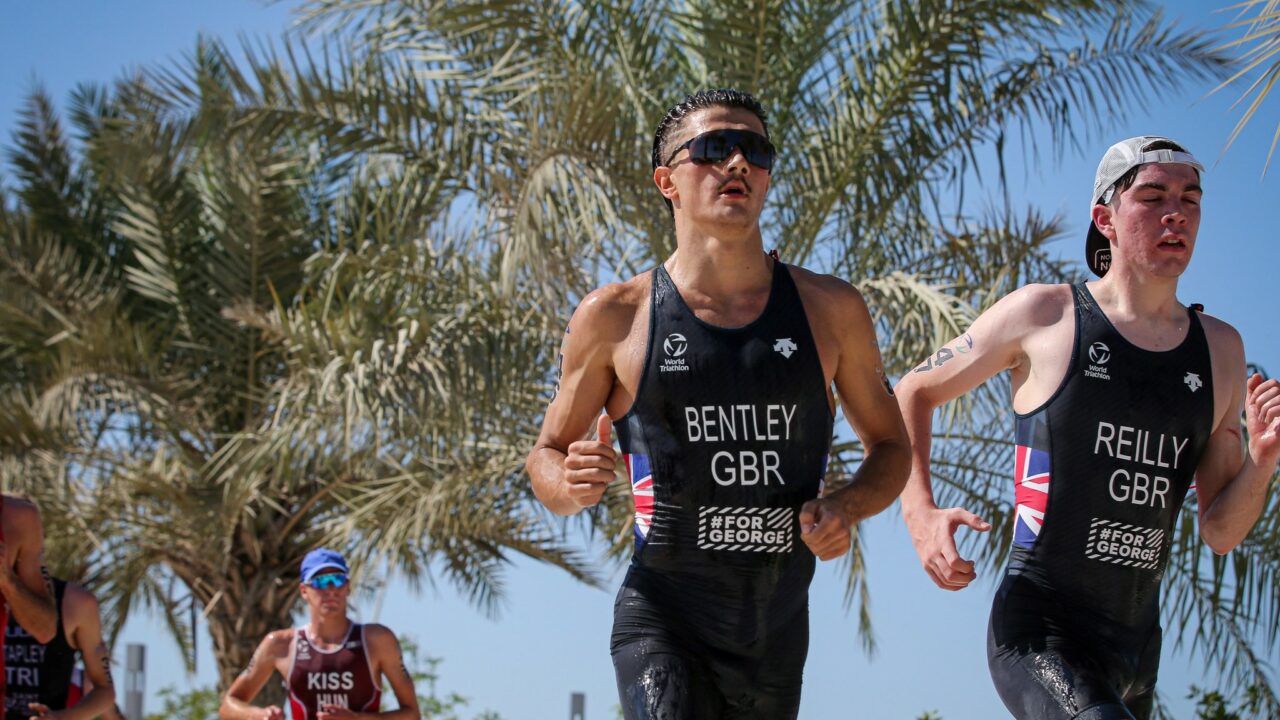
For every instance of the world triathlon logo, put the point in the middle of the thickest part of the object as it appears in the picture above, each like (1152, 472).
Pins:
(675, 345)
(1099, 355)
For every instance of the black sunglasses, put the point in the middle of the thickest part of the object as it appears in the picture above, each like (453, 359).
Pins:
(716, 145)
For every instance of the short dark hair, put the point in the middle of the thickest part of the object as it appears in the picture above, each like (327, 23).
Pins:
(700, 100)
(1126, 180)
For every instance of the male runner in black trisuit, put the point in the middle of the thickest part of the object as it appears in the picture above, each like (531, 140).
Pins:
(1122, 395)
(717, 367)
(41, 676)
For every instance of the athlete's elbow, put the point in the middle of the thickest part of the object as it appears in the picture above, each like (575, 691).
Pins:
(558, 505)
(546, 496)
(915, 404)
(545, 491)
(1218, 540)
(103, 696)
(1220, 548)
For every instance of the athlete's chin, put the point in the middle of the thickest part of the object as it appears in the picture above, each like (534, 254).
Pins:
(1171, 269)
(1167, 266)
(732, 217)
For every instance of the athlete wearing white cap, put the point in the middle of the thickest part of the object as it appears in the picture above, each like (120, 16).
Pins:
(1122, 396)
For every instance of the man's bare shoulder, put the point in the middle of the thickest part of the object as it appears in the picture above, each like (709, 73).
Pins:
(1223, 338)
(78, 604)
(276, 644)
(809, 281)
(611, 308)
(1034, 305)
(617, 297)
(377, 630)
(379, 637)
(822, 293)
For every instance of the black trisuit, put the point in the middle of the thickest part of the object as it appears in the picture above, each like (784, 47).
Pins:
(727, 437)
(1102, 470)
(40, 673)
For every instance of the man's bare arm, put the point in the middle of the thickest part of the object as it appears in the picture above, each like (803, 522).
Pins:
(1233, 477)
(23, 577)
(388, 661)
(851, 359)
(993, 343)
(83, 623)
(568, 472)
(236, 704)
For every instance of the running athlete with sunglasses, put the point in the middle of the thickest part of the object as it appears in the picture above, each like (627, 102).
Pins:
(1123, 396)
(332, 667)
(717, 370)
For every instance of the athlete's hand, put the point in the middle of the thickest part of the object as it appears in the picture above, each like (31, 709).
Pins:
(589, 465)
(824, 527)
(269, 713)
(1262, 417)
(933, 533)
(42, 712)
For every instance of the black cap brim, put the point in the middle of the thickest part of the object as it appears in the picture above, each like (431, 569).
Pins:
(1097, 251)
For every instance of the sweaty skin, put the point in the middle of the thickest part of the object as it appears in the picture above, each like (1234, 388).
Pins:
(723, 309)
(327, 628)
(82, 625)
(1152, 228)
(23, 580)
(724, 277)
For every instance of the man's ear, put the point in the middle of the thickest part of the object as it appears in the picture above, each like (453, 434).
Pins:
(1103, 218)
(666, 185)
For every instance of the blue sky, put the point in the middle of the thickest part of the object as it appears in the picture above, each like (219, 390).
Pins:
(552, 636)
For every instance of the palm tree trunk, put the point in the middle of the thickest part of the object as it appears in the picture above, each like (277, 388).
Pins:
(254, 600)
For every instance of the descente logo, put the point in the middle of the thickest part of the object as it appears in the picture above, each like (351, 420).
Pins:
(1099, 354)
(785, 347)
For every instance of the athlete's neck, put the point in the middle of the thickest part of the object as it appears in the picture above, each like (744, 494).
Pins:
(328, 630)
(720, 267)
(1146, 307)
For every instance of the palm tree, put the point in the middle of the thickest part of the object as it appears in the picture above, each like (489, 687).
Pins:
(224, 348)
(1261, 40)
(883, 111)
(459, 172)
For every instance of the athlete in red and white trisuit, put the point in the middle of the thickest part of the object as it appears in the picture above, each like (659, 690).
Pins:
(333, 668)
(24, 585)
